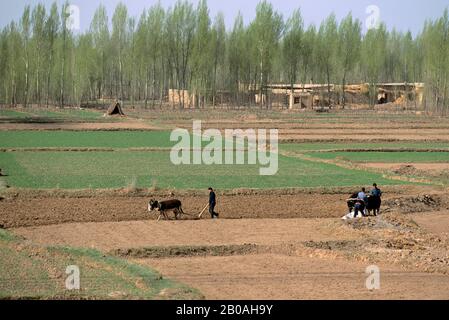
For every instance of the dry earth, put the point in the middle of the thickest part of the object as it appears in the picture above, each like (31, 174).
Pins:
(35, 211)
(128, 124)
(419, 166)
(136, 234)
(299, 258)
(25, 210)
(271, 276)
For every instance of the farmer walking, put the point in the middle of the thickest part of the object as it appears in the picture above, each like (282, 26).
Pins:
(212, 204)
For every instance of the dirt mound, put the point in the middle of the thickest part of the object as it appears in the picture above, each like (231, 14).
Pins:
(406, 170)
(360, 245)
(186, 251)
(415, 204)
(393, 221)
(332, 245)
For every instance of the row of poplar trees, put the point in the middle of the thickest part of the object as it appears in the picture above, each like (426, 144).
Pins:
(42, 61)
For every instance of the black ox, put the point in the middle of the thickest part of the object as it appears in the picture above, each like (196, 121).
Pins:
(164, 206)
(373, 205)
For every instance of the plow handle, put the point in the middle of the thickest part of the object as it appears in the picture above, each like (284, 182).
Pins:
(202, 212)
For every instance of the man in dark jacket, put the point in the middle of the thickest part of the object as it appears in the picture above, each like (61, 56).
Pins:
(376, 191)
(212, 203)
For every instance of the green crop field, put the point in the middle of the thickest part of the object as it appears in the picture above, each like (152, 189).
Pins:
(387, 157)
(161, 139)
(88, 139)
(12, 114)
(39, 273)
(119, 167)
(84, 139)
(79, 170)
(69, 114)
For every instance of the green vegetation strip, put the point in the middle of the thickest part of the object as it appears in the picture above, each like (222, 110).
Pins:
(84, 139)
(33, 272)
(70, 114)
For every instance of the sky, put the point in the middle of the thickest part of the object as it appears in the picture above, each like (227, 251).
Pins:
(403, 15)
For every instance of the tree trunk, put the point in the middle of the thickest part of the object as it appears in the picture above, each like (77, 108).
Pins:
(328, 87)
(26, 84)
(343, 91)
(62, 81)
(146, 88)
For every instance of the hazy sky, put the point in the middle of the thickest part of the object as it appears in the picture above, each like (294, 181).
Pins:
(401, 14)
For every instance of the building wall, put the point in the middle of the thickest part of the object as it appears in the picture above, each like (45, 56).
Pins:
(176, 96)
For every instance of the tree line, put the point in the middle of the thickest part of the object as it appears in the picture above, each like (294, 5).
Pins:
(137, 60)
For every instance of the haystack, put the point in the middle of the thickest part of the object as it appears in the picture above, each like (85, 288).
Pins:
(115, 109)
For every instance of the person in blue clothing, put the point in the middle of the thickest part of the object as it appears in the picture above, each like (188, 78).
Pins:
(363, 201)
(362, 195)
(376, 191)
(376, 199)
(212, 204)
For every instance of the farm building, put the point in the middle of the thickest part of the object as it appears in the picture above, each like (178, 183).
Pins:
(303, 96)
(308, 96)
(191, 101)
(181, 97)
(400, 92)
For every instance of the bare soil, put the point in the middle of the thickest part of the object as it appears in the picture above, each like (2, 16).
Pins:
(43, 209)
(275, 258)
(273, 276)
(27, 209)
(335, 136)
(108, 236)
(37, 211)
(128, 124)
(419, 166)
(435, 222)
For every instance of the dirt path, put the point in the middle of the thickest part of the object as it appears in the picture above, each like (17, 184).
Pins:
(137, 234)
(335, 136)
(271, 276)
(419, 166)
(122, 125)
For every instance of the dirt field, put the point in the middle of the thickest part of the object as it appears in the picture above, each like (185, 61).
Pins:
(292, 262)
(338, 129)
(436, 223)
(122, 125)
(46, 211)
(291, 244)
(22, 210)
(270, 276)
(108, 236)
